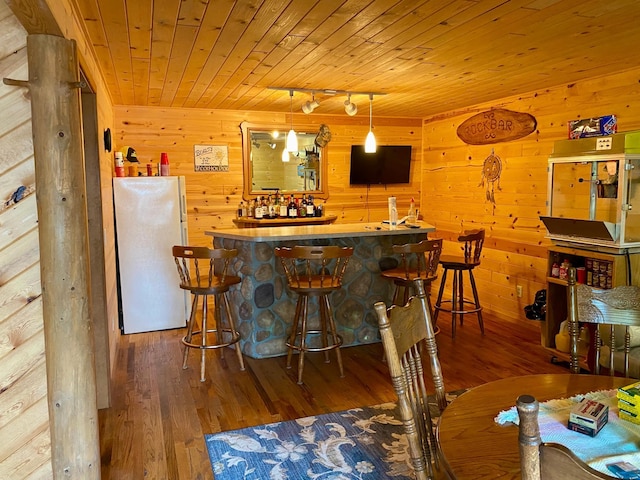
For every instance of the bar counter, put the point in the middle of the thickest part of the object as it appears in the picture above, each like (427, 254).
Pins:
(264, 305)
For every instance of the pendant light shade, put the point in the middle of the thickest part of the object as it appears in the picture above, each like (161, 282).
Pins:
(285, 155)
(292, 139)
(370, 142)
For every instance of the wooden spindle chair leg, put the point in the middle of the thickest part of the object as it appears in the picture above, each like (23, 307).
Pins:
(203, 350)
(294, 330)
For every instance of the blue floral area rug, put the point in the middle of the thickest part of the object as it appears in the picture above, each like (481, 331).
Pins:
(358, 444)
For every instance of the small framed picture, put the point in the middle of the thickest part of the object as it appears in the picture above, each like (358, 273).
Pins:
(211, 158)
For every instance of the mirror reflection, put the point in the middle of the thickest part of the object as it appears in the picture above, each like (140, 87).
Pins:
(269, 167)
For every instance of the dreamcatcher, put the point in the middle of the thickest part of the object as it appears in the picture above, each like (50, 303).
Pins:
(491, 170)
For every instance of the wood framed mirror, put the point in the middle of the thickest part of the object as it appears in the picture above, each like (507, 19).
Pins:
(265, 170)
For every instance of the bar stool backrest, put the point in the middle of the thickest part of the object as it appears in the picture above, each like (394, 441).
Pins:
(203, 259)
(473, 241)
(314, 266)
(421, 258)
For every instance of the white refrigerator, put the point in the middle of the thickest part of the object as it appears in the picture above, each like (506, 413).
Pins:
(151, 217)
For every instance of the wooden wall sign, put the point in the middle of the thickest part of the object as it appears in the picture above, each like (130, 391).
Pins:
(494, 126)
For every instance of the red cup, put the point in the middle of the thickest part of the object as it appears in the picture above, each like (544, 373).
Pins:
(581, 275)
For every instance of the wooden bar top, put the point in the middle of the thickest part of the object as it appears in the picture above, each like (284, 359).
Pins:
(311, 232)
(250, 222)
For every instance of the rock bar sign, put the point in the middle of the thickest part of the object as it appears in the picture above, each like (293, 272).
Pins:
(494, 126)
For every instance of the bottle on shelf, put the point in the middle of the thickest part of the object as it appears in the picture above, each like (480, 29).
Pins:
(564, 269)
(283, 207)
(293, 208)
(271, 207)
(320, 210)
(257, 211)
(240, 210)
(411, 216)
(311, 208)
(250, 209)
(302, 207)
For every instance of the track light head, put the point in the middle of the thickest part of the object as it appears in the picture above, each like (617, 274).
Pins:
(350, 108)
(309, 107)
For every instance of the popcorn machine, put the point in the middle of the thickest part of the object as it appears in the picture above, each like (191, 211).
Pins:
(593, 193)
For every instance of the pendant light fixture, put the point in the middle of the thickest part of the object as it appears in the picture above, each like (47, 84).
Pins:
(292, 139)
(285, 155)
(370, 142)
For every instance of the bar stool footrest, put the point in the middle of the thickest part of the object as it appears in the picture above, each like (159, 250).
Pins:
(460, 312)
(307, 348)
(235, 338)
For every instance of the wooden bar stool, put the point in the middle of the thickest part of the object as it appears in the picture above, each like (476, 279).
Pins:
(208, 280)
(472, 245)
(417, 260)
(314, 271)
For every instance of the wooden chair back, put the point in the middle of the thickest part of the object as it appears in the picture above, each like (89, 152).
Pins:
(314, 268)
(210, 267)
(548, 461)
(407, 334)
(419, 260)
(472, 240)
(610, 310)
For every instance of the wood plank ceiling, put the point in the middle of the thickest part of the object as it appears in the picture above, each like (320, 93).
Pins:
(428, 56)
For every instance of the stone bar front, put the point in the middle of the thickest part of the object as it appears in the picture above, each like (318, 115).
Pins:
(264, 305)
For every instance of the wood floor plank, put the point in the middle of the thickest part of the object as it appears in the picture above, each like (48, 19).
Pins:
(155, 428)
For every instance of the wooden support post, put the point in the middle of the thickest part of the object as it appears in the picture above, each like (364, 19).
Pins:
(62, 215)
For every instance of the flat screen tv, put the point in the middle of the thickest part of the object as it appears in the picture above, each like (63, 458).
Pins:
(389, 164)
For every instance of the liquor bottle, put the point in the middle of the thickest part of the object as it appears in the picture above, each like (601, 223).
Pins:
(411, 216)
(271, 207)
(293, 208)
(283, 207)
(240, 209)
(258, 213)
(319, 210)
(311, 208)
(250, 209)
(302, 208)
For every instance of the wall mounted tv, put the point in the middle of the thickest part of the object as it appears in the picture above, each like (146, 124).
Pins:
(390, 164)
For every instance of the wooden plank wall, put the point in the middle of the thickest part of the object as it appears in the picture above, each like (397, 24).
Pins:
(212, 197)
(515, 250)
(24, 418)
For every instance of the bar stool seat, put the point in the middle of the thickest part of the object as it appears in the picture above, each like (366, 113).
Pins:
(314, 271)
(472, 241)
(208, 281)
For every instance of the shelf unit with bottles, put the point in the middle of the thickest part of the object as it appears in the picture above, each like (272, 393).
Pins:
(620, 268)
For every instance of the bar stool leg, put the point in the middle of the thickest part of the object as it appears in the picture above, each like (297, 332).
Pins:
(203, 350)
(334, 334)
(443, 283)
(454, 304)
(461, 296)
(303, 338)
(324, 332)
(187, 337)
(218, 331)
(477, 300)
(294, 331)
(234, 333)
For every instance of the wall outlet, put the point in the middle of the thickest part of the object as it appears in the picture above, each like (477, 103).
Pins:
(519, 291)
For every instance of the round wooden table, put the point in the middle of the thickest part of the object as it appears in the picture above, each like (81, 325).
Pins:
(474, 446)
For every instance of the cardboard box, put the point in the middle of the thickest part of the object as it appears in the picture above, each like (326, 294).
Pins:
(630, 394)
(588, 417)
(629, 416)
(593, 127)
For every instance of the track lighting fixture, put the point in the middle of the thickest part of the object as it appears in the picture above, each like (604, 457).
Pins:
(350, 108)
(292, 139)
(309, 107)
(370, 142)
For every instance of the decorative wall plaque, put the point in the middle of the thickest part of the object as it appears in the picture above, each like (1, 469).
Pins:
(211, 158)
(494, 126)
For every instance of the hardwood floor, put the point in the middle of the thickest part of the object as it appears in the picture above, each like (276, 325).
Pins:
(159, 413)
